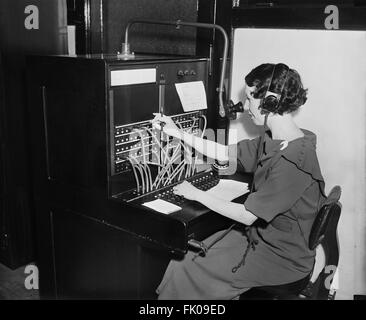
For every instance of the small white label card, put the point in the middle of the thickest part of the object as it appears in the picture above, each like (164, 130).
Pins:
(162, 206)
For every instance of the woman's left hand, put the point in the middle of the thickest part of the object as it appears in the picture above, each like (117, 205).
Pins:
(187, 190)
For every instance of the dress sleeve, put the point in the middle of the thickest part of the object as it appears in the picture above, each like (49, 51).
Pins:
(247, 153)
(283, 187)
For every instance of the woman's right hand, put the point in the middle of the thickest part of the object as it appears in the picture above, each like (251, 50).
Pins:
(167, 124)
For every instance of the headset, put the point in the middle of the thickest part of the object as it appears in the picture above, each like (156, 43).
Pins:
(271, 100)
(270, 103)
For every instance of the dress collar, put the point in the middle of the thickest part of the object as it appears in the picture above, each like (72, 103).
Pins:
(300, 151)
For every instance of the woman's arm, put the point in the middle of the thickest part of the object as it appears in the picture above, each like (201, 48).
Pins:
(208, 148)
(234, 211)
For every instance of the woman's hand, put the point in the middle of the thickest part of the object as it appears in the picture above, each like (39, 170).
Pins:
(187, 190)
(169, 127)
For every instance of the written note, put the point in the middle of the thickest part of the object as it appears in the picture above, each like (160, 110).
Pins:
(192, 95)
(229, 189)
(162, 206)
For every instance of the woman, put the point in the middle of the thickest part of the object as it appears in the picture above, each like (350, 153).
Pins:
(288, 190)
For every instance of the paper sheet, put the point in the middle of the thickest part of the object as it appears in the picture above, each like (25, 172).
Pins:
(162, 206)
(192, 95)
(229, 189)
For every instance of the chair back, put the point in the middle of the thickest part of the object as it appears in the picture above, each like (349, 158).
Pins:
(324, 233)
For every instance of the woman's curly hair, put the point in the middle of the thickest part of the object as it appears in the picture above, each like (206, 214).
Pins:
(293, 94)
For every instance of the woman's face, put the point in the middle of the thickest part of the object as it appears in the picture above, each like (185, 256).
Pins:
(252, 106)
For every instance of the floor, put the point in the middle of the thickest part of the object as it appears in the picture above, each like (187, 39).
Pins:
(12, 285)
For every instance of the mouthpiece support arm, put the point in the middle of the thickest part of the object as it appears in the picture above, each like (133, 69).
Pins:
(126, 48)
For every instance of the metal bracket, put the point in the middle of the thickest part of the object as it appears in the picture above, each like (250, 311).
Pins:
(236, 3)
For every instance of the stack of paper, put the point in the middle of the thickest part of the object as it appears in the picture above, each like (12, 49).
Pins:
(229, 189)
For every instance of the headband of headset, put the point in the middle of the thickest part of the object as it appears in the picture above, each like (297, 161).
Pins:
(271, 99)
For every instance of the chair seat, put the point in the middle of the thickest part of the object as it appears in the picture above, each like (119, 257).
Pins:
(280, 292)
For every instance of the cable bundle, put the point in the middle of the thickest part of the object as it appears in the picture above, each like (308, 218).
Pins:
(171, 160)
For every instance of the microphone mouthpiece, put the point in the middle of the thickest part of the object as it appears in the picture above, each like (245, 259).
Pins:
(232, 109)
(238, 107)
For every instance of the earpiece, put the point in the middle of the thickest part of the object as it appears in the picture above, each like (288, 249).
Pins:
(269, 104)
(271, 100)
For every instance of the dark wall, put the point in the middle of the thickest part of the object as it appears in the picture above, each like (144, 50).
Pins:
(297, 14)
(15, 38)
(16, 211)
(101, 25)
(311, 3)
(150, 38)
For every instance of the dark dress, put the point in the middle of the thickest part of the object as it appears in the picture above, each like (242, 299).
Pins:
(288, 190)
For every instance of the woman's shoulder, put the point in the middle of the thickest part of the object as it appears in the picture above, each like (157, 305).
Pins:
(297, 149)
(302, 152)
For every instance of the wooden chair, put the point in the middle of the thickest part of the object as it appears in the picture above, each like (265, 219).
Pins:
(323, 234)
